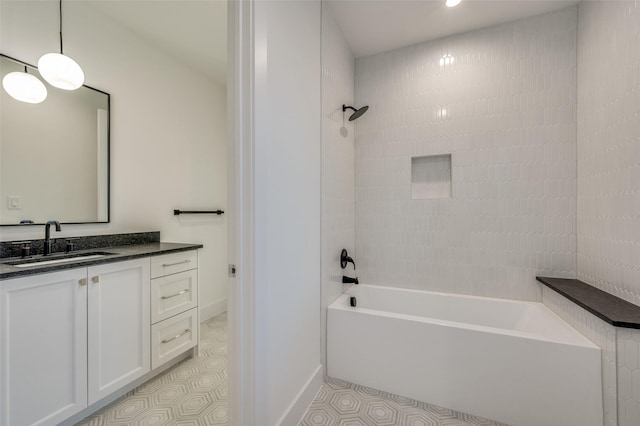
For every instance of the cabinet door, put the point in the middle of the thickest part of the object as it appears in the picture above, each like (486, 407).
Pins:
(43, 348)
(119, 325)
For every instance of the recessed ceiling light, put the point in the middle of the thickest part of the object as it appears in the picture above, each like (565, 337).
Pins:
(452, 3)
(447, 60)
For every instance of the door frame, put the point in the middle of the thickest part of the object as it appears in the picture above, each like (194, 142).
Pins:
(247, 375)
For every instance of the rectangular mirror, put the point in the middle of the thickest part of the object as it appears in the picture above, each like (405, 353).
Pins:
(54, 156)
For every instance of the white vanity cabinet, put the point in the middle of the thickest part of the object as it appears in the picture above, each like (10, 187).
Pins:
(119, 321)
(71, 338)
(43, 348)
(174, 302)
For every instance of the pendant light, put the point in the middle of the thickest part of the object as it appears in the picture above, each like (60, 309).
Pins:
(60, 70)
(24, 87)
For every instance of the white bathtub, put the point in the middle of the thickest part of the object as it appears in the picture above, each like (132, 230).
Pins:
(510, 361)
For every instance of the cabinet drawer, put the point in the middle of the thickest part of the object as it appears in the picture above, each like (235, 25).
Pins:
(173, 336)
(173, 263)
(173, 294)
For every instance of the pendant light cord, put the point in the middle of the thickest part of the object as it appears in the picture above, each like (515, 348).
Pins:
(60, 15)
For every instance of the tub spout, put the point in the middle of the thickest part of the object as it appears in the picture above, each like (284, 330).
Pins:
(349, 280)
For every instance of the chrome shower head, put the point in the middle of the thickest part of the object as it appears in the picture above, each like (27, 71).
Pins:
(357, 112)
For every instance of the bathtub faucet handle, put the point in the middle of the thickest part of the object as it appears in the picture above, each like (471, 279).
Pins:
(345, 258)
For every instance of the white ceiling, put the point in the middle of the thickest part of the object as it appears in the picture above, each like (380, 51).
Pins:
(195, 31)
(375, 26)
(192, 31)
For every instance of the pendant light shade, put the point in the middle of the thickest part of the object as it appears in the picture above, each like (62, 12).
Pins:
(61, 71)
(24, 87)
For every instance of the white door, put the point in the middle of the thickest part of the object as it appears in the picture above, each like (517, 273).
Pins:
(43, 348)
(119, 325)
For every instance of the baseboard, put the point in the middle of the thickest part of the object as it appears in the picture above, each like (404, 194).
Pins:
(299, 406)
(210, 311)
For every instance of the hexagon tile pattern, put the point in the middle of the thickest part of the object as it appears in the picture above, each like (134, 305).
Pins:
(193, 392)
(340, 403)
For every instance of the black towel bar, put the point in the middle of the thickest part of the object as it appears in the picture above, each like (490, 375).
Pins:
(179, 212)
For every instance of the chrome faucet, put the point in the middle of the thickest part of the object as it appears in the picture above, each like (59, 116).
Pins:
(46, 250)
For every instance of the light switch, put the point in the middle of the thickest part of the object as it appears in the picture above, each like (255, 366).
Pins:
(13, 202)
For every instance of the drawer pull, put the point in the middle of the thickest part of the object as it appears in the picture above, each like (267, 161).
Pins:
(83, 281)
(164, 265)
(186, 331)
(180, 293)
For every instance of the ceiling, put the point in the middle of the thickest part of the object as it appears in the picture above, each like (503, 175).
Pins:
(375, 26)
(192, 31)
(195, 31)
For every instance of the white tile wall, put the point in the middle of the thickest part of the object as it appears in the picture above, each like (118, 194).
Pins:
(609, 147)
(505, 109)
(628, 377)
(608, 238)
(338, 176)
(600, 333)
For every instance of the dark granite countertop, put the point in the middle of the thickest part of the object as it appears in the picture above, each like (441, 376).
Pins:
(612, 309)
(120, 253)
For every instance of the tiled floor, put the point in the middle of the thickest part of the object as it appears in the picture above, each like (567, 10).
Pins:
(340, 403)
(194, 392)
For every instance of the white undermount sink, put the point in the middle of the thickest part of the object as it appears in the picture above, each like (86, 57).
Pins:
(31, 263)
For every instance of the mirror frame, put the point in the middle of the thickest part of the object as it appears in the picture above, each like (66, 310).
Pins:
(108, 159)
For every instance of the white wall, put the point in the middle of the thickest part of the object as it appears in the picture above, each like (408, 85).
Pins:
(609, 147)
(510, 126)
(338, 173)
(287, 168)
(168, 131)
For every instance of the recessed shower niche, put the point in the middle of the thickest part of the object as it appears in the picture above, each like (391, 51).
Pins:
(431, 177)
